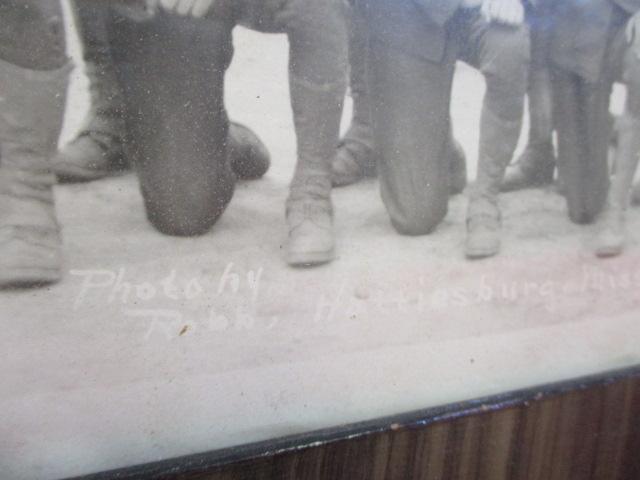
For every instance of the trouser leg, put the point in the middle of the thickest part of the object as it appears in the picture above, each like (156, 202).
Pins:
(32, 34)
(356, 157)
(539, 91)
(502, 55)
(33, 82)
(457, 165)
(410, 101)
(358, 46)
(581, 119)
(540, 119)
(172, 72)
(98, 149)
(317, 70)
(537, 163)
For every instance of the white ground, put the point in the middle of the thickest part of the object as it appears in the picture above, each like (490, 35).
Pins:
(191, 359)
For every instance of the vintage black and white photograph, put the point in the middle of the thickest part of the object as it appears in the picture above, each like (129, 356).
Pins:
(320, 239)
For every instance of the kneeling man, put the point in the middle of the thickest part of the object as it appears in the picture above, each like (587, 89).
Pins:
(177, 127)
(413, 51)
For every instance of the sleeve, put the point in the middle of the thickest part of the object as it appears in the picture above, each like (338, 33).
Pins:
(440, 11)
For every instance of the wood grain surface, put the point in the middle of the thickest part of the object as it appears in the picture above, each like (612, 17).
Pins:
(585, 430)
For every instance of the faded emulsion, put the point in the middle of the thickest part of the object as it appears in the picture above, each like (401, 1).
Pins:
(225, 223)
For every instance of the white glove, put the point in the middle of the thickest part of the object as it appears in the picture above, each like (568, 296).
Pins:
(506, 12)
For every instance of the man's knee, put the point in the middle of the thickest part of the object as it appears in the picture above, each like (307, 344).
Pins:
(175, 223)
(420, 218)
(187, 212)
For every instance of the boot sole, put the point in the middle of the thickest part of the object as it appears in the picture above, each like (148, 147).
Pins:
(524, 185)
(479, 254)
(309, 259)
(24, 277)
(608, 252)
(68, 173)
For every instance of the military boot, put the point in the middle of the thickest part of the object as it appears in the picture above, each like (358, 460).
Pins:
(31, 110)
(248, 156)
(498, 139)
(611, 237)
(309, 211)
(97, 151)
(534, 168)
(355, 158)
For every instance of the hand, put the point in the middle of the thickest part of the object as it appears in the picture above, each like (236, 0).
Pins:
(195, 8)
(506, 12)
(633, 34)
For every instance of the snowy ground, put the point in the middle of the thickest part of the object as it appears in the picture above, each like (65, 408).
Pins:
(154, 347)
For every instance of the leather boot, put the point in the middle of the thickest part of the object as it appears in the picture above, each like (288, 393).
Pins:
(355, 157)
(31, 111)
(498, 140)
(533, 169)
(611, 237)
(309, 212)
(97, 151)
(248, 156)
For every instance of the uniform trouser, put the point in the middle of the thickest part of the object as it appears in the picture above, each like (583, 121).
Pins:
(539, 93)
(92, 17)
(410, 100)
(583, 124)
(358, 46)
(32, 34)
(172, 72)
(359, 132)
